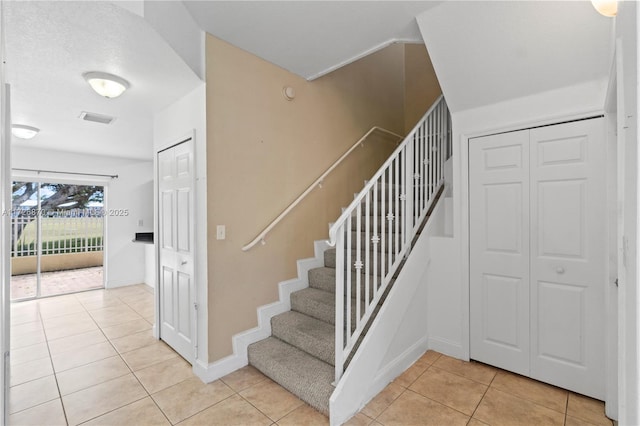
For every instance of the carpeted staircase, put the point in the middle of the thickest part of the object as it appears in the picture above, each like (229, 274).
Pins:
(299, 355)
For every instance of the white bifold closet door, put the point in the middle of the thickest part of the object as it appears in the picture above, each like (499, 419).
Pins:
(537, 253)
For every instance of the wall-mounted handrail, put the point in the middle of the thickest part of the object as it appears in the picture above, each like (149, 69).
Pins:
(261, 236)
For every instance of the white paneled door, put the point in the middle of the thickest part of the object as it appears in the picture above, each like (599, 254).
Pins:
(499, 203)
(176, 252)
(537, 252)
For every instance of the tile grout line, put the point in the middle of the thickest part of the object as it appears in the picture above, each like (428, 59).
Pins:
(120, 354)
(498, 371)
(128, 367)
(444, 405)
(483, 396)
(466, 377)
(107, 340)
(265, 414)
(387, 407)
(204, 409)
(401, 393)
(99, 327)
(160, 409)
(55, 375)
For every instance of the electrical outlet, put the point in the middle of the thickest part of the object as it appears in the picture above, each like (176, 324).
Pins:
(221, 232)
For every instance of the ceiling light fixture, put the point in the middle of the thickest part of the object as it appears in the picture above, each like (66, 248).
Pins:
(607, 8)
(105, 84)
(24, 132)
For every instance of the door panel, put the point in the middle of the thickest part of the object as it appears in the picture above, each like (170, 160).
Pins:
(166, 219)
(560, 315)
(568, 255)
(556, 152)
(166, 293)
(184, 301)
(175, 181)
(501, 295)
(184, 219)
(501, 201)
(561, 218)
(499, 206)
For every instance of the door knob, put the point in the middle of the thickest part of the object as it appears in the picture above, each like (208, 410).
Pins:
(560, 270)
(184, 262)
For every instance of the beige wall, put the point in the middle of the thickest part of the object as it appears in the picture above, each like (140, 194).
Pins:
(263, 151)
(421, 84)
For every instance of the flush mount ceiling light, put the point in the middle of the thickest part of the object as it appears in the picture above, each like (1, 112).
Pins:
(607, 8)
(24, 132)
(105, 84)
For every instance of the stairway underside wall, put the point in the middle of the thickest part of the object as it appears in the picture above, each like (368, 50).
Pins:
(398, 335)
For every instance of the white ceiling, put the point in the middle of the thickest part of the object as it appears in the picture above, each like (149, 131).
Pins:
(483, 52)
(492, 51)
(310, 38)
(51, 44)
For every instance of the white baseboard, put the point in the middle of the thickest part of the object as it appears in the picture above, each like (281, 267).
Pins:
(214, 370)
(447, 347)
(117, 284)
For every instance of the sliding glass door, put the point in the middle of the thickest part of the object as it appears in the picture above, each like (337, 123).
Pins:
(57, 238)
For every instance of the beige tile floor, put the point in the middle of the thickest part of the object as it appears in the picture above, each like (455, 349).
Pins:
(89, 358)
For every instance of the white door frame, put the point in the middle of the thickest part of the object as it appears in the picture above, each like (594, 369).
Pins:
(461, 150)
(5, 249)
(5, 228)
(614, 216)
(196, 302)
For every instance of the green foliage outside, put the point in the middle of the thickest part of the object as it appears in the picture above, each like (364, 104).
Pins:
(58, 234)
(52, 226)
(75, 245)
(78, 233)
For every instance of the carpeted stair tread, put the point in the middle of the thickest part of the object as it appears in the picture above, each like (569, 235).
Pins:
(300, 373)
(309, 334)
(315, 303)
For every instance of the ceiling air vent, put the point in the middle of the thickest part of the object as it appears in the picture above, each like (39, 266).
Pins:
(96, 118)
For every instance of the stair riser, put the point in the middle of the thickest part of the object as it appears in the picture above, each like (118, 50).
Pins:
(318, 343)
(306, 377)
(327, 313)
(313, 309)
(327, 282)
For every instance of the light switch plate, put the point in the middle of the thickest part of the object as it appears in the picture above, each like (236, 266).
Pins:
(221, 232)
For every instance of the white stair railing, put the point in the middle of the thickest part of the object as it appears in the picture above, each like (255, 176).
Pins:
(374, 234)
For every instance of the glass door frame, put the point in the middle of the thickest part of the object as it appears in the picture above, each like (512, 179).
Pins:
(39, 180)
